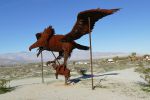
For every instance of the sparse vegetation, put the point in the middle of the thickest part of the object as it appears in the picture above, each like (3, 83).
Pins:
(34, 69)
(144, 69)
(24, 71)
(4, 86)
(82, 71)
(82, 68)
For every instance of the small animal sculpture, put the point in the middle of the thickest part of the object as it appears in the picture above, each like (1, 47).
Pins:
(61, 70)
(64, 44)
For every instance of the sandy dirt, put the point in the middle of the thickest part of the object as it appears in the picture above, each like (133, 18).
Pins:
(115, 85)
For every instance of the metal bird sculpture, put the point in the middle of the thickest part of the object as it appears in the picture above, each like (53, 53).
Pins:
(64, 44)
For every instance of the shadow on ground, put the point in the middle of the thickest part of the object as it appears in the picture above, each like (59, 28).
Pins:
(87, 76)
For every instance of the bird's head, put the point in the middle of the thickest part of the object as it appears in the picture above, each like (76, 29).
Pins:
(43, 38)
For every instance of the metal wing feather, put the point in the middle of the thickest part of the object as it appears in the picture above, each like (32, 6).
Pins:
(81, 26)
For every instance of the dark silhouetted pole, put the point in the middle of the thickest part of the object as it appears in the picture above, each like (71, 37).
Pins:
(55, 58)
(42, 67)
(91, 63)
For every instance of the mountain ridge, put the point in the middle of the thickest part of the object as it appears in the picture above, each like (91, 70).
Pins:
(29, 57)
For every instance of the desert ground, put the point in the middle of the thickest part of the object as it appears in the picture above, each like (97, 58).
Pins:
(113, 85)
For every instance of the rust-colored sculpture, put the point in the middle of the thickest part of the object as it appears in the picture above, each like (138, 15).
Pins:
(64, 44)
(61, 70)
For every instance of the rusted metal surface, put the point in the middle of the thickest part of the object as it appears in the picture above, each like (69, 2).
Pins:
(64, 44)
(61, 70)
(91, 59)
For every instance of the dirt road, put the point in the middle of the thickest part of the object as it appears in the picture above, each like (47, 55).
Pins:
(115, 85)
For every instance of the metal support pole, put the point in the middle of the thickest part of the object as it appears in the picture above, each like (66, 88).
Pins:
(91, 63)
(55, 58)
(42, 67)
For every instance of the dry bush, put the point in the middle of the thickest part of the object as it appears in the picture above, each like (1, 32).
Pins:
(81, 71)
(4, 86)
(144, 69)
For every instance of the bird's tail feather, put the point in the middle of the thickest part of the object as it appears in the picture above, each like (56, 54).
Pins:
(81, 47)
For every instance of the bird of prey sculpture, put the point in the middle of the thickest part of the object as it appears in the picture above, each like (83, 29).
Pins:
(64, 44)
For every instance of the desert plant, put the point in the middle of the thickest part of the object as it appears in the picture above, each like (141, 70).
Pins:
(116, 58)
(147, 75)
(140, 67)
(133, 54)
(82, 71)
(3, 83)
(3, 86)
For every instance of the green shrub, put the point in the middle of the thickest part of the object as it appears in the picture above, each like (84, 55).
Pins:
(145, 70)
(3, 83)
(3, 86)
(82, 71)
(147, 75)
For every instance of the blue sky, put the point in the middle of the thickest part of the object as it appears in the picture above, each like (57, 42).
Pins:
(125, 31)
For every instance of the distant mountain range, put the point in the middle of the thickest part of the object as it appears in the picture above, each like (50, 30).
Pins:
(28, 57)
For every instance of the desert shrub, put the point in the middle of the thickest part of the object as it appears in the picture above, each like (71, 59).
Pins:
(4, 86)
(145, 70)
(147, 75)
(82, 71)
(3, 82)
(140, 67)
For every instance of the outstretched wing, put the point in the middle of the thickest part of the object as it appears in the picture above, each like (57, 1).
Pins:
(82, 24)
